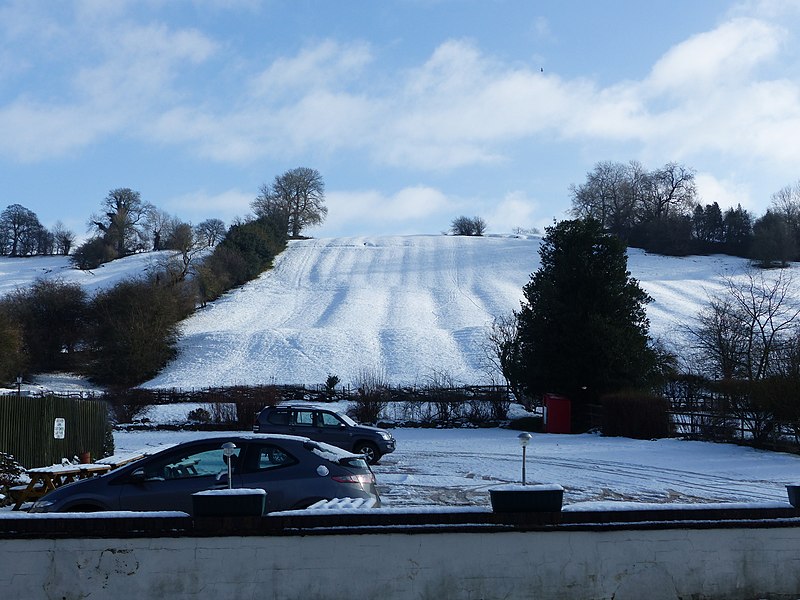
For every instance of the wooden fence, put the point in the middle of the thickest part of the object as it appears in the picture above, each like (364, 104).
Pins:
(28, 428)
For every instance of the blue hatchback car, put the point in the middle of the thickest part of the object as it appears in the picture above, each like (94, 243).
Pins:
(295, 472)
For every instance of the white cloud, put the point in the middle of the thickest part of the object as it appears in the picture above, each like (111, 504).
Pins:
(726, 193)
(325, 64)
(725, 56)
(515, 210)
(402, 212)
(459, 108)
(200, 205)
(120, 75)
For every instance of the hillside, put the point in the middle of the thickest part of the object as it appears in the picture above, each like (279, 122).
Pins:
(21, 272)
(411, 307)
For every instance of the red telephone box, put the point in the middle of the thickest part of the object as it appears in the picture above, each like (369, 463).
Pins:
(558, 414)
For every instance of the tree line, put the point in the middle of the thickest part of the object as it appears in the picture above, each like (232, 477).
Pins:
(659, 210)
(126, 334)
(22, 234)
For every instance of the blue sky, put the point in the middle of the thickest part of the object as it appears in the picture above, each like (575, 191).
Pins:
(413, 111)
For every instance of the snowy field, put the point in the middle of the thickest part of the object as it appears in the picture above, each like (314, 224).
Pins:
(410, 308)
(21, 272)
(456, 467)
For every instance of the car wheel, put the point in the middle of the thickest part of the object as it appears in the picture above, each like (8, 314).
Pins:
(369, 450)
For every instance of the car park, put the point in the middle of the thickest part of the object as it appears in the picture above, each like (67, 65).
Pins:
(327, 426)
(295, 472)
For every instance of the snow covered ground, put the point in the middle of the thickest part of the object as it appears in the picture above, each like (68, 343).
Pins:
(411, 309)
(21, 272)
(456, 467)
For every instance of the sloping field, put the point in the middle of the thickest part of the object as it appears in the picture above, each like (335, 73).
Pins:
(411, 308)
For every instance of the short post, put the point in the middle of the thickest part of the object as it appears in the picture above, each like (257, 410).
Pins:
(227, 450)
(19, 386)
(524, 438)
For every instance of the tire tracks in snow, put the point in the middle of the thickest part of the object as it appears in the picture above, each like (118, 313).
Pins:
(595, 480)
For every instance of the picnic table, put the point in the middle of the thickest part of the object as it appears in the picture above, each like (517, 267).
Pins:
(46, 479)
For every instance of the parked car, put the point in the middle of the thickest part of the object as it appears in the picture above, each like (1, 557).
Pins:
(326, 426)
(295, 472)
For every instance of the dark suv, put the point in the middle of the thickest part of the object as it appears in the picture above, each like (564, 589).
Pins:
(328, 426)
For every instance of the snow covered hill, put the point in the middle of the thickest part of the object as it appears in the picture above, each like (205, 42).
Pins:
(410, 308)
(21, 272)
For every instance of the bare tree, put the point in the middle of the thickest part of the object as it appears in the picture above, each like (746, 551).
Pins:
(21, 231)
(210, 232)
(608, 195)
(468, 226)
(298, 195)
(158, 226)
(786, 202)
(749, 332)
(186, 243)
(461, 226)
(121, 221)
(501, 351)
(671, 191)
(63, 237)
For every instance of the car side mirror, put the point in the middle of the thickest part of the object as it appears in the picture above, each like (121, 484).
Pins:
(137, 476)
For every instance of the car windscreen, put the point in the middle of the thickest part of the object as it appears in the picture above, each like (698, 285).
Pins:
(348, 420)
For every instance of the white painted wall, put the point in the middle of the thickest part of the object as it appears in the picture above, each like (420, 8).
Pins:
(656, 564)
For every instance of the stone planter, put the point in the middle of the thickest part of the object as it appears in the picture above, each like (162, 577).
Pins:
(527, 498)
(794, 495)
(238, 502)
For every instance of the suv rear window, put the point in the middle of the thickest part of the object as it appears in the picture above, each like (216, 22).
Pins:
(278, 417)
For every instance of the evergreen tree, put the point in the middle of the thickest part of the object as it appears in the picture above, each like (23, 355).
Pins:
(582, 328)
(738, 230)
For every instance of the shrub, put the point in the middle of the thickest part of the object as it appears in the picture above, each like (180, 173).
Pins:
(93, 253)
(249, 405)
(373, 396)
(468, 226)
(126, 407)
(133, 330)
(52, 316)
(199, 415)
(10, 474)
(223, 413)
(636, 415)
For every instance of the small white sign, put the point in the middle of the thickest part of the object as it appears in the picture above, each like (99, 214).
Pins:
(59, 428)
